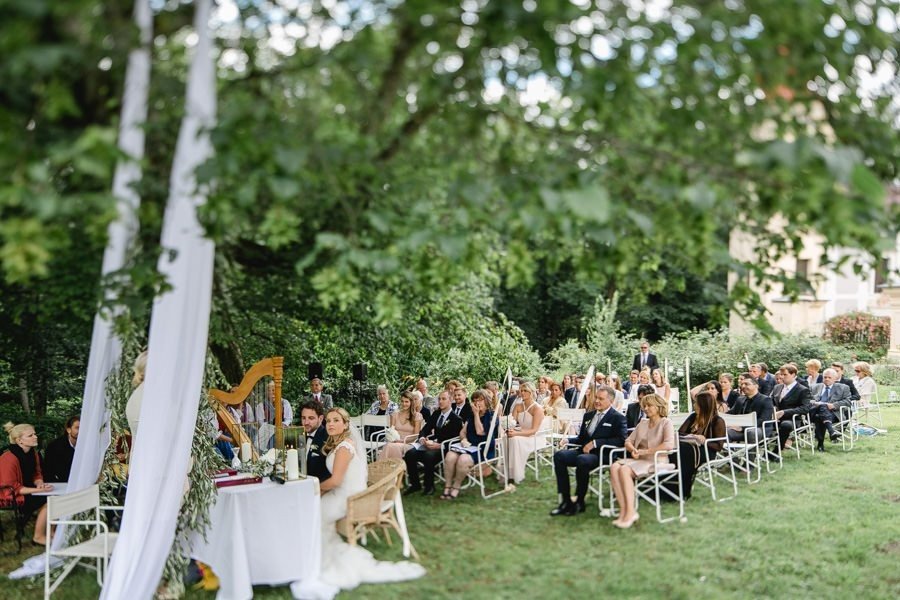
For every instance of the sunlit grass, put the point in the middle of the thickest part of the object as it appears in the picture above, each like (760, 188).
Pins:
(824, 526)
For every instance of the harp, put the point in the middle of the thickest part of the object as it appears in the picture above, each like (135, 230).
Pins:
(253, 391)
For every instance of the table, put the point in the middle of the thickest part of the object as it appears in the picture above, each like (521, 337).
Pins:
(264, 533)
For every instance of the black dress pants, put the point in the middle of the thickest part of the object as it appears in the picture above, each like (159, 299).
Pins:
(429, 459)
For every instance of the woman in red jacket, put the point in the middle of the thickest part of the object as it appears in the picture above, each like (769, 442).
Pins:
(21, 477)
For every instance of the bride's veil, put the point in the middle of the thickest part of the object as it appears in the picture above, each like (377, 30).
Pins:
(358, 465)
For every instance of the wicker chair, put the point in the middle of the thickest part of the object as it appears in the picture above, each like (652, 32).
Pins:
(375, 507)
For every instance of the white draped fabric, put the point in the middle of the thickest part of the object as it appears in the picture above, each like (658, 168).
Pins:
(106, 349)
(177, 346)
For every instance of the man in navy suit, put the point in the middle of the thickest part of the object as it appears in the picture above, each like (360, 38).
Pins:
(603, 426)
(791, 399)
(442, 426)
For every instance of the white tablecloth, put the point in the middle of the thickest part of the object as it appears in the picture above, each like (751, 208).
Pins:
(263, 533)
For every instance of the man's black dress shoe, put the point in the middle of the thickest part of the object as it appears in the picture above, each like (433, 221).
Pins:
(412, 489)
(580, 507)
(428, 491)
(562, 509)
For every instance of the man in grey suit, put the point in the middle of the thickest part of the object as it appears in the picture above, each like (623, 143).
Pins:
(829, 396)
(315, 386)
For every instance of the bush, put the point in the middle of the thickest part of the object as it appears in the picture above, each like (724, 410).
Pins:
(863, 331)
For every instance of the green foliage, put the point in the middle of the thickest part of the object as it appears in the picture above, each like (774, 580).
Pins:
(864, 331)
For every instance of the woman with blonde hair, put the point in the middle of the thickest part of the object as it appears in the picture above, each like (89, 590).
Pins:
(407, 422)
(21, 478)
(552, 404)
(864, 382)
(659, 380)
(133, 408)
(521, 442)
(652, 434)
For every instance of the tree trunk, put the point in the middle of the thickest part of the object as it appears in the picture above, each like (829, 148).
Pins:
(23, 396)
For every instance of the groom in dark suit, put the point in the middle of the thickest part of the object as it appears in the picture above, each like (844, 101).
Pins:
(603, 426)
(442, 425)
(311, 416)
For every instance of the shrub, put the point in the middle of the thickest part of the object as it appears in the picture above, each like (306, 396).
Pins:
(863, 331)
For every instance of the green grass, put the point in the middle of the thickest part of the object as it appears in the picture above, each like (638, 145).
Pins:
(824, 526)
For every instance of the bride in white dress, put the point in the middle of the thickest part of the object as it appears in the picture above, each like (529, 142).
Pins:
(344, 566)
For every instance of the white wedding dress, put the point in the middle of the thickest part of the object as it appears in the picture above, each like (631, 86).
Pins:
(344, 567)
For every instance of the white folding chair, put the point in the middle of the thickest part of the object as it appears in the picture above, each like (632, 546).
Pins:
(846, 426)
(768, 447)
(675, 402)
(477, 476)
(564, 423)
(542, 444)
(744, 454)
(374, 441)
(804, 434)
(720, 467)
(869, 405)
(98, 546)
(602, 472)
(658, 484)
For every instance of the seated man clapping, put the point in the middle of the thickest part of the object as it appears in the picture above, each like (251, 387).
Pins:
(602, 426)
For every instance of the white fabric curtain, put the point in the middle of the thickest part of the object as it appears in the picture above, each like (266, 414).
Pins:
(177, 345)
(106, 348)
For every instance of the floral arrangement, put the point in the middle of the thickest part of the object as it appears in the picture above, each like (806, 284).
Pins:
(269, 463)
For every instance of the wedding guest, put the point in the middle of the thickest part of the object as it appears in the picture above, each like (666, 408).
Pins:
(521, 442)
(444, 425)
(384, 405)
(653, 434)
(635, 412)
(813, 375)
(729, 392)
(315, 387)
(645, 359)
(312, 417)
(462, 457)
(429, 402)
(791, 399)
(701, 425)
(494, 388)
(407, 422)
(555, 401)
(645, 379)
(133, 407)
(20, 469)
(572, 392)
(621, 402)
(60, 452)
(512, 398)
(839, 368)
(601, 426)
(825, 409)
(630, 387)
(543, 389)
(662, 384)
(287, 412)
(461, 406)
(714, 388)
(224, 442)
(864, 383)
(751, 401)
(419, 405)
(568, 386)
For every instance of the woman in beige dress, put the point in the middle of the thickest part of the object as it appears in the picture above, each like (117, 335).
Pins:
(554, 403)
(521, 442)
(408, 422)
(651, 435)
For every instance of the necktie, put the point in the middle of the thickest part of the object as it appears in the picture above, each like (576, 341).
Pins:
(317, 397)
(594, 422)
(825, 394)
(440, 422)
(643, 360)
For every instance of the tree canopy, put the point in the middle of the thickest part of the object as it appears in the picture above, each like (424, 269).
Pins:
(375, 157)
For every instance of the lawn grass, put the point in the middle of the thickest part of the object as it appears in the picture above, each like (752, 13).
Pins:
(823, 527)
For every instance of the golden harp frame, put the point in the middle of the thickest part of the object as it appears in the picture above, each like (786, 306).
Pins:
(272, 367)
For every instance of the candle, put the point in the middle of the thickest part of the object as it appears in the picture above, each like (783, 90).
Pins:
(293, 464)
(246, 452)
